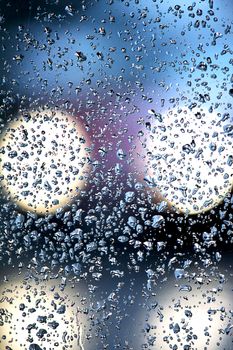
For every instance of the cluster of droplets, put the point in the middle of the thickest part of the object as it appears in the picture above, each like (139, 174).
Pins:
(116, 175)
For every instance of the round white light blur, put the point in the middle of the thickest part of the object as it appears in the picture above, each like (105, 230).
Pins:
(190, 159)
(43, 160)
(27, 308)
(197, 319)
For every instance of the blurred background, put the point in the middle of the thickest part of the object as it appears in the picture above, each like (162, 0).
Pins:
(134, 269)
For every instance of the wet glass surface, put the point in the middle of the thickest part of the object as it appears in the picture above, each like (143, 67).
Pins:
(116, 175)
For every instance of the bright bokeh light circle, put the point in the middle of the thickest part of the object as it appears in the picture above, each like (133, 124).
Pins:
(43, 160)
(40, 314)
(190, 159)
(199, 314)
